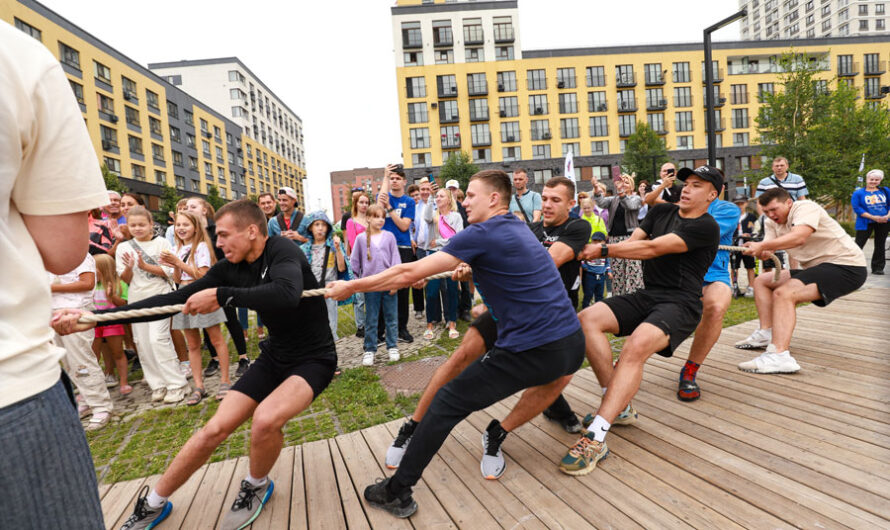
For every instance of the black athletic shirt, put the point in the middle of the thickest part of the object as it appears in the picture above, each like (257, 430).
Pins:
(619, 227)
(575, 233)
(272, 286)
(680, 272)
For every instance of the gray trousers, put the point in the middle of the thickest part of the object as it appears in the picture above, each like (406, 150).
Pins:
(48, 480)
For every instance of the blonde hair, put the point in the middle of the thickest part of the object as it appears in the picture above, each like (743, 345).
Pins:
(373, 211)
(200, 236)
(585, 202)
(137, 211)
(106, 273)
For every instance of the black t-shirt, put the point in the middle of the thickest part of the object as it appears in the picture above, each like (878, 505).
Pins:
(619, 227)
(272, 286)
(575, 233)
(680, 272)
(672, 194)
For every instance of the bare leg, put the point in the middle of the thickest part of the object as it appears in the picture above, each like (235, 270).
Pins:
(596, 321)
(716, 298)
(471, 348)
(193, 338)
(291, 397)
(763, 296)
(115, 349)
(222, 351)
(533, 402)
(179, 344)
(643, 342)
(785, 300)
(750, 277)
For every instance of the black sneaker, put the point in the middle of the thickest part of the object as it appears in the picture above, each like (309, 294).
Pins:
(401, 505)
(144, 516)
(404, 336)
(879, 273)
(212, 368)
(243, 365)
(466, 316)
(397, 450)
(360, 333)
(569, 423)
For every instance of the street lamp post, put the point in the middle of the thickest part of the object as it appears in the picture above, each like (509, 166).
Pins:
(709, 84)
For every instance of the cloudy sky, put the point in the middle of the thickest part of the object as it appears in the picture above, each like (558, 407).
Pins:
(332, 61)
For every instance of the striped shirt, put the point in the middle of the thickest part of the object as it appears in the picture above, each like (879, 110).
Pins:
(793, 184)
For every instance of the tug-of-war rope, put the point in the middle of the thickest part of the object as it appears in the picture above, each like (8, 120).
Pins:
(172, 309)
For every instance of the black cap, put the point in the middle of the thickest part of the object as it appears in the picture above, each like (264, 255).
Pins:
(741, 198)
(709, 173)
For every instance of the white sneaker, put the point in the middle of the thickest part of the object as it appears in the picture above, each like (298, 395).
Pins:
(186, 370)
(759, 339)
(158, 394)
(771, 362)
(749, 292)
(111, 381)
(394, 354)
(175, 396)
(368, 358)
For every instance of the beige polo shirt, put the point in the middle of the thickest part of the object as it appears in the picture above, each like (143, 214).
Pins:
(828, 244)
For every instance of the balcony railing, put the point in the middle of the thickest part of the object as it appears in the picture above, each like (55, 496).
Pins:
(627, 105)
(541, 134)
(447, 91)
(481, 140)
(474, 35)
(595, 80)
(451, 141)
(656, 104)
(625, 80)
(510, 137)
(565, 82)
(875, 67)
(740, 123)
(408, 44)
(739, 98)
(504, 33)
(719, 101)
(538, 110)
(654, 79)
(478, 114)
(597, 107)
(447, 117)
(477, 89)
(661, 129)
(718, 75)
(624, 132)
(719, 125)
(847, 69)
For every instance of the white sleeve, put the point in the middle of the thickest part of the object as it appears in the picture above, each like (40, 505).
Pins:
(202, 256)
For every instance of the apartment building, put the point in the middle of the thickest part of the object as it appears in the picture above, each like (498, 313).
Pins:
(343, 182)
(795, 19)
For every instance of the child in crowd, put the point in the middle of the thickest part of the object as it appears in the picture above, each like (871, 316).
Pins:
(594, 274)
(373, 253)
(588, 213)
(327, 257)
(443, 221)
(137, 264)
(75, 290)
(190, 261)
(110, 292)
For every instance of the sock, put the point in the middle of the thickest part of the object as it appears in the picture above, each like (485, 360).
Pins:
(768, 332)
(185, 363)
(604, 391)
(255, 482)
(154, 500)
(690, 369)
(599, 428)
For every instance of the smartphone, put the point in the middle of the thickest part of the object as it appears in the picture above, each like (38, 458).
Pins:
(669, 171)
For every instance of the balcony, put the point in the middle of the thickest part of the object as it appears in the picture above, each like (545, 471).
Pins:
(597, 107)
(451, 141)
(847, 69)
(504, 33)
(717, 72)
(508, 138)
(740, 123)
(719, 125)
(447, 91)
(624, 132)
(478, 114)
(627, 105)
(447, 117)
(537, 110)
(625, 80)
(482, 140)
(566, 82)
(654, 79)
(442, 39)
(875, 67)
(477, 89)
(719, 101)
(541, 134)
(407, 44)
(876, 92)
(656, 104)
(473, 35)
(661, 129)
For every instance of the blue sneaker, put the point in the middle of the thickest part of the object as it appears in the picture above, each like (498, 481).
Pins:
(248, 505)
(145, 517)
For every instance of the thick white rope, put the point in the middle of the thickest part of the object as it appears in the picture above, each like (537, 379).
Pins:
(777, 265)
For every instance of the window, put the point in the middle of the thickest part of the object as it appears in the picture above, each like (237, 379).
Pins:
(508, 107)
(28, 29)
(872, 64)
(102, 72)
(217, 133)
(740, 118)
(863, 24)
(205, 148)
(595, 76)
(863, 10)
(190, 140)
(413, 58)
(565, 78)
(820, 86)
(845, 65)
(627, 102)
(474, 55)
(568, 128)
(880, 24)
(172, 110)
(574, 147)
(135, 145)
(506, 81)
(238, 112)
(568, 103)
(683, 96)
(189, 117)
(77, 88)
(655, 99)
(599, 148)
(681, 72)
(69, 55)
(415, 87)
(872, 87)
(596, 102)
(208, 170)
(204, 125)
(473, 31)
(417, 113)
(477, 85)
(106, 104)
(113, 165)
(138, 172)
(826, 25)
(627, 125)
(481, 134)
(537, 105)
(450, 137)
(684, 142)
(683, 121)
(510, 131)
(444, 56)
(448, 112)
(478, 109)
(152, 100)
(656, 122)
(654, 74)
(442, 35)
(175, 135)
(221, 174)
(624, 75)
(177, 158)
(219, 155)
(193, 163)
(537, 80)
(765, 88)
(447, 85)
(157, 152)
(744, 163)
(154, 125)
(739, 139)
(540, 151)
(599, 126)
(411, 35)
(421, 160)
(512, 154)
(109, 137)
(503, 29)
(739, 94)
(540, 129)
(503, 53)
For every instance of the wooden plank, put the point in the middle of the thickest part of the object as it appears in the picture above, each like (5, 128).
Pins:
(119, 500)
(349, 497)
(103, 489)
(299, 519)
(242, 467)
(209, 498)
(276, 513)
(183, 497)
(322, 498)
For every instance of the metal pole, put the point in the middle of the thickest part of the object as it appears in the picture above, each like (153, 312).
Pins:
(709, 85)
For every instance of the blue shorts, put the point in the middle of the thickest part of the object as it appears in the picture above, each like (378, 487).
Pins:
(719, 270)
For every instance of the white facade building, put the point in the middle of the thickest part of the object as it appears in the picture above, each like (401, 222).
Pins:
(791, 19)
(230, 88)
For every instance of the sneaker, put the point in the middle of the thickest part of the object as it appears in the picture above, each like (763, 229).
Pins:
(243, 365)
(418, 315)
(394, 354)
(368, 358)
(397, 450)
(212, 368)
(583, 456)
(879, 273)
(360, 333)
(83, 410)
(493, 464)
(625, 417)
(186, 370)
(144, 516)
(749, 292)
(175, 396)
(402, 505)
(570, 423)
(248, 505)
(688, 389)
(757, 340)
(158, 394)
(404, 336)
(466, 316)
(111, 381)
(99, 420)
(771, 362)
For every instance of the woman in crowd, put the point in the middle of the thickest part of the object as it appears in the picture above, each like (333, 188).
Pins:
(872, 206)
(443, 221)
(623, 210)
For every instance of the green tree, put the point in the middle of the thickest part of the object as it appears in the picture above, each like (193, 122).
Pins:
(169, 198)
(645, 153)
(112, 182)
(459, 167)
(213, 197)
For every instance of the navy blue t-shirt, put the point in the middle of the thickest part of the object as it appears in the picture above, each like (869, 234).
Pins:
(519, 281)
(404, 206)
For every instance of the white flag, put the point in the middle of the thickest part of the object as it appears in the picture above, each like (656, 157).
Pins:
(862, 163)
(570, 170)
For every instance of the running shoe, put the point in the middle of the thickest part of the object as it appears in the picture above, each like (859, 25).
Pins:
(247, 505)
(176, 395)
(688, 389)
(394, 354)
(583, 456)
(144, 516)
(397, 450)
(493, 464)
(212, 368)
(158, 394)
(99, 420)
(243, 365)
(749, 292)
(569, 423)
(186, 370)
(404, 336)
(756, 340)
(401, 505)
(625, 417)
(368, 358)
(771, 362)
(111, 381)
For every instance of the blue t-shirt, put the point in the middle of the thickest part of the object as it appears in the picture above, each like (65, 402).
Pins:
(404, 205)
(727, 216)
(519, 281)
(870, 202)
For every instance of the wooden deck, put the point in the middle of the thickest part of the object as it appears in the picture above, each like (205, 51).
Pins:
(806, 450)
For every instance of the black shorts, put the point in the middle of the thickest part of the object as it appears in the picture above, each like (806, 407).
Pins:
(487, 327)
(768, 265)
(266, 374)
(736, 259)
(833, 281)
(676, 314)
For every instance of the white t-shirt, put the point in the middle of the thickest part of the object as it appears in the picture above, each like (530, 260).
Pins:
(79, 300)
(144, 284)
(829, 243)
(48, 166)
(200, 259)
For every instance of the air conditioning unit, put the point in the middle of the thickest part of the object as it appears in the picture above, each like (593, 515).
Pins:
(547, 136)
(451, 90)
(113, 118)
(601, 107)
(129, 95)
(106, 145)
(721, 101)
(561, 84)
(208, 134)
(501, 88)
(503, 114)
(434, 105)
(662, 102)
(539, 110)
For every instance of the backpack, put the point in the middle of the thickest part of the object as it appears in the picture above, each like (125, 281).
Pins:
(282, 224)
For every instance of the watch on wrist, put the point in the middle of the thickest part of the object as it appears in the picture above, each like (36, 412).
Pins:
(389, 210)
(604, 250)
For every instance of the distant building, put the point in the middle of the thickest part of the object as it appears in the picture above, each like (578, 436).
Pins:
(343, 182)
(808, 19)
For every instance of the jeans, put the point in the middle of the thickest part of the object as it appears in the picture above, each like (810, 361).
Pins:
(373, 303)
(878, 256)
(434, 304)
(417, 294)
(465, 301)
(48, 479)
(358, 309)
(332, 315)
(593, 287)
(407, 256)
(245, 323)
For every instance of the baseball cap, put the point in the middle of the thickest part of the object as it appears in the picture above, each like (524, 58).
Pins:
(452, 184)
(287, 191)
(708, 173)
(597, 236)
(741, 198)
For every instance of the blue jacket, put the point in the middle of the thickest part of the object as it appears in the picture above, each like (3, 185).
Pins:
(329, 242)
(869, 202)
(275, 230)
